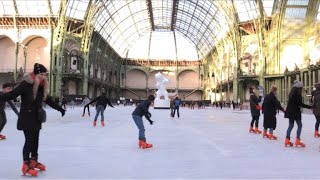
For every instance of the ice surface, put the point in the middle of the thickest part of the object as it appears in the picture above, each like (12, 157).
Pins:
(206, 143)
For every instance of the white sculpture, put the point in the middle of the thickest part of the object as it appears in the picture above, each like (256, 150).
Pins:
(161, 85)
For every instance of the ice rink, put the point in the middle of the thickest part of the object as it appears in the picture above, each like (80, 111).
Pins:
(207, 143)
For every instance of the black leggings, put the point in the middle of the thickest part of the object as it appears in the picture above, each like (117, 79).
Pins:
(316, 126)
(3, 120)
(31, 144)
(255, 119)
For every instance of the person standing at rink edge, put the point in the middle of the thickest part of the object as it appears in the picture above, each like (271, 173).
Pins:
(293, 113)
(7, 87)
(33, 91)
(143, 110)
(270, 107)
(255, 111)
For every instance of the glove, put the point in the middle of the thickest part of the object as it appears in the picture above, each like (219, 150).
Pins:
(150, 121)
(62, 112)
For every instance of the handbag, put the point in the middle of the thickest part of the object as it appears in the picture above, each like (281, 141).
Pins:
(258, 107)
(42, 115)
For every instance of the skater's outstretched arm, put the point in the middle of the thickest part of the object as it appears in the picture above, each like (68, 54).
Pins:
(19, 90)
(94, 100)
(55, 106)
(109, 103)
(13, 107)
(301, 104)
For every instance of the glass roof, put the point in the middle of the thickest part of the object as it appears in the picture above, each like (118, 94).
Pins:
(162, 46)
(122, 23)
(29, 7)
(247, 9)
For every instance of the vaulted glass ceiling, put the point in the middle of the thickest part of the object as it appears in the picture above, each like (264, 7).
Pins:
(125, 23)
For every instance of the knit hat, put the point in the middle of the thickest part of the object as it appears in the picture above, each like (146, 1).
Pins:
(39, 68)
(297, 84)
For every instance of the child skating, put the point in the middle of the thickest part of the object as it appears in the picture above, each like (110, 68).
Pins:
(143, 110)
(255, 111)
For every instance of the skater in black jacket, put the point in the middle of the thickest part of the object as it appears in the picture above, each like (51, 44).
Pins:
(293, 112)
(269, 108)
(143, 110)
(101, 105)
(33, 91)
(7, 87)
(255, 111)
(316, 108)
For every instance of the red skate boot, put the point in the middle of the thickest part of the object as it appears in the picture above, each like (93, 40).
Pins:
(316, 134)
(2, 137)
(35, 164)
(265, 134)
(257, 131)
(288, 143)
(144, 145)
(299, 143)
(251, 130)
(102, 123)
(272, 137)
(28, 170)
(94, 123)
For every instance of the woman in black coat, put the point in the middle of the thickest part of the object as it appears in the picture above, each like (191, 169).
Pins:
(33, 91)
(255, 111)
(294, 113)
(270, 107)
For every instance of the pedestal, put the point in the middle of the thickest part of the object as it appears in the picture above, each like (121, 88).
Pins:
(162, 103)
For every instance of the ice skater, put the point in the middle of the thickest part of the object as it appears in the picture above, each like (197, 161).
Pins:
(143, 110)
(269, 108)
(7, 87)
(33, 91)
(293, 112)
(101, 105)
(255, 111)
(316, 108)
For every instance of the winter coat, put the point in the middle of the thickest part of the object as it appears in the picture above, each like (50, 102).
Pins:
(142, 109)
(316, 101)
(269, 108)
(101, 100)
(28, 116)
(293, 110)
(254, 101)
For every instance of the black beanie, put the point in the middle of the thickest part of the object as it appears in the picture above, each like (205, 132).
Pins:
(39, 68)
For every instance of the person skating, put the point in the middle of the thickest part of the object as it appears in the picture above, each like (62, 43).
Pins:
(176, 107)
(269, 108)
(255, 111)
(101, 105)
(33, 91)
(316, 108)
(143, 110)
(293, 112)
(7, 87)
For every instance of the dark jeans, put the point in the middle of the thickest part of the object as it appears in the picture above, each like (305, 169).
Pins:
(291, 124)
(174, 111)
(3, 120)
(31, 144)
(139, 123)
(255, 119)
(316, 126)
(100, 109)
